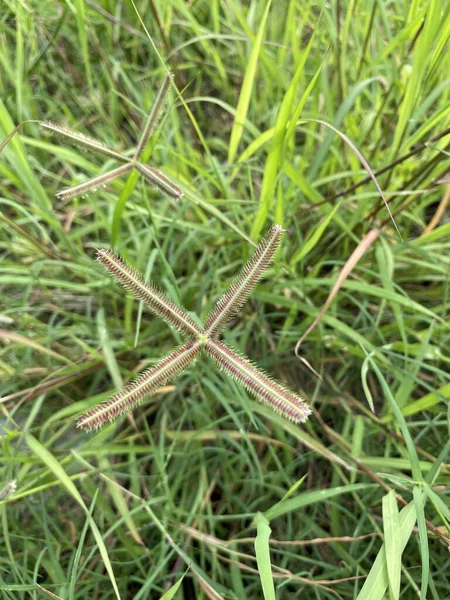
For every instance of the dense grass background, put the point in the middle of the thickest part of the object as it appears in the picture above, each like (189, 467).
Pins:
(174, 488)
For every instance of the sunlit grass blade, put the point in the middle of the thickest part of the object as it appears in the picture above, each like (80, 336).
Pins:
(391, 526)
(238, 293)
(146, 384)
(290, 405)
(159, 180)
(92, 185)
(154, 115)
(158, 303)
(79, 139)
(247, 87)
(262, 553)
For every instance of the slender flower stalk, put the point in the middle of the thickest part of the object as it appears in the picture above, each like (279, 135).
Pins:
(238, 293)
(146, 384)
(290, 405)
(154, 115)
(287, 403)
(92, 185)
(157, 302)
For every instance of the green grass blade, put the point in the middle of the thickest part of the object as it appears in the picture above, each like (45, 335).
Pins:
(54, 466)
(307, 498)
(377, 581)
(391, 526)
(247, 88)
(262, 552)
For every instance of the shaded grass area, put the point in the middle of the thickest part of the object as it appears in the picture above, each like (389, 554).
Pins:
(174, 488)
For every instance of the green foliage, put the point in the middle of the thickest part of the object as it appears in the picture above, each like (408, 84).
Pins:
(174, 490)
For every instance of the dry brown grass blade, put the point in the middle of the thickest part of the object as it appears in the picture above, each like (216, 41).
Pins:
(353, 260)
(440, 211)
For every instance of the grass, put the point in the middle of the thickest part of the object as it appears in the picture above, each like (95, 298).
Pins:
(202, 492)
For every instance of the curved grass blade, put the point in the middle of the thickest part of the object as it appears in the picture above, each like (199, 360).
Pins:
(290, 405)
(238, 293)
(79, 139)
(158, 303)
(92, 185)
(146, 384)
(154, 115)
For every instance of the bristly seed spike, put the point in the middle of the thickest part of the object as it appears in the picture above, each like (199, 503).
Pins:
(154, 115)
(238, 293)
(157, 302)
(290, 405)
(146, 384)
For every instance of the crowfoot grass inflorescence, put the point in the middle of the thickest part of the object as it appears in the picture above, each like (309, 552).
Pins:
(152, 176)
(281, 399)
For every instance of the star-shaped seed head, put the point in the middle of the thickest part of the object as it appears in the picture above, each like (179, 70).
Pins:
(271, 392)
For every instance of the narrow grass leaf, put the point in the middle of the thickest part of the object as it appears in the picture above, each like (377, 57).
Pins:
(391, 527)
(157, 179)
(50, 461)
(247, 87)
(146, 384)
(92, 185)
(281, 133)
(414, 459)
(156, 301)
(154, 114)
(286, 403)
(170, 594)
(307, 498)
(419, 502)
(238, 293)
(377, 581)
(73, 577)
(262, 552)
(314, 239)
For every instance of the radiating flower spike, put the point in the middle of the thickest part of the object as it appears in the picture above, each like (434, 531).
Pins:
(289, 405)
(79, 139)
(92, 185)
(145, 385)
(157, 302)
(238, 293)
(154, 115)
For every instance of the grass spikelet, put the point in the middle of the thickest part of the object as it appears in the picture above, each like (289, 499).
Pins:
(154, 115)
(238, 293)
(92, 185)
(157, 302)
(159, 180)
(8, 490)
(272, 393)
(79, 139)
(146, 384)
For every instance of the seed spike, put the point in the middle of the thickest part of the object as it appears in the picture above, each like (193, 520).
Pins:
(238, 293)
(157, 302)
(79, 139)
(93, 184)
(159, 180)
(154, 115)
(145, 385)
(256, 381)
